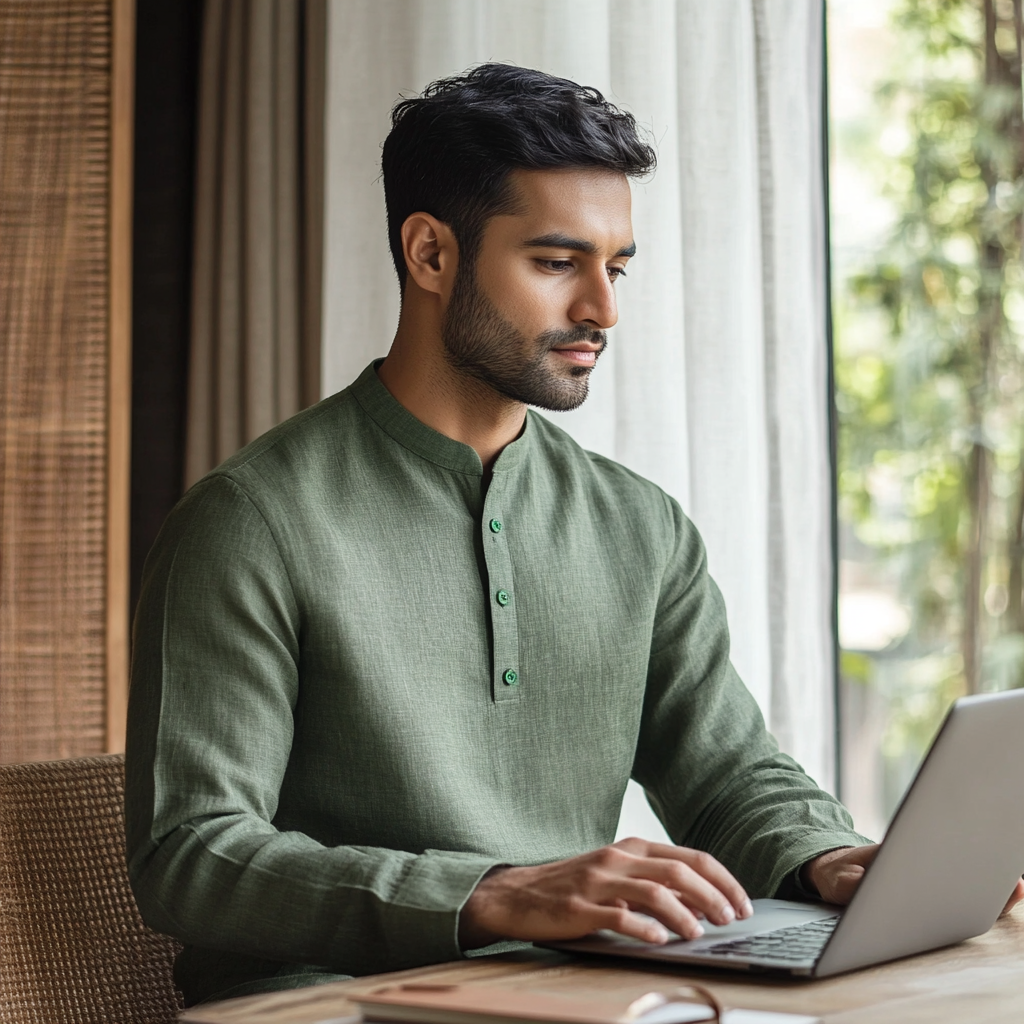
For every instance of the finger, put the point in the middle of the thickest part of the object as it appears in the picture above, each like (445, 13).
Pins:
(707, 867)
(843, 884)
(633, 845)
(694, 891)
(655, 900)
(1015, 897)
(703, 885)
(862, 855)
(699, 914)
(625, 922)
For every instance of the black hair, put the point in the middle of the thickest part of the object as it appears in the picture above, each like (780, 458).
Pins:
(450, 151)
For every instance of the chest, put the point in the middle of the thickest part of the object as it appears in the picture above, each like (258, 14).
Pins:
(524, 595)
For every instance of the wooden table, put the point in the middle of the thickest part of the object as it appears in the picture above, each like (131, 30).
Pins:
(981, 980)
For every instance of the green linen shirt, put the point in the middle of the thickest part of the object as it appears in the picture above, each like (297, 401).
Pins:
(363, 675)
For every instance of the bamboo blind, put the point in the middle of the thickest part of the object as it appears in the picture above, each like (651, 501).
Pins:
(56, 407)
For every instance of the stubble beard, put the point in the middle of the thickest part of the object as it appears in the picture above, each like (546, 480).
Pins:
(482, 345)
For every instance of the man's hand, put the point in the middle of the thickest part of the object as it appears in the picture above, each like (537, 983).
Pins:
(568, 899)
(837, 874)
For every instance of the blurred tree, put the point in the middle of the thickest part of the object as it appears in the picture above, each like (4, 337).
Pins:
(932, 407)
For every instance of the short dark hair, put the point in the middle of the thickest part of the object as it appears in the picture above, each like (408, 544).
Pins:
(450, 151)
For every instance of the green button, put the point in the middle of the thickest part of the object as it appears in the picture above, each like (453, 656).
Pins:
(511, 677)
(503, 598)
(495, 526)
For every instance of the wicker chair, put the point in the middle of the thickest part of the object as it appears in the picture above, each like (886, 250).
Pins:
(72, 944)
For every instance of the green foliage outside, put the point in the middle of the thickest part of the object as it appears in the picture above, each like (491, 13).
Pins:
(930, 364)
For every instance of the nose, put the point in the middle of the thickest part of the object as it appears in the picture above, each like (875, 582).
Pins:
(594, 303)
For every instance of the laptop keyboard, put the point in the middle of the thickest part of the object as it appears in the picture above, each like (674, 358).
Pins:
(793, 945)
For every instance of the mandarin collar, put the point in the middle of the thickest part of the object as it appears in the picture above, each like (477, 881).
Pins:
(401, 426)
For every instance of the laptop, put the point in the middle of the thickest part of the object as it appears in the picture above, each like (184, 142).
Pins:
(950, 859)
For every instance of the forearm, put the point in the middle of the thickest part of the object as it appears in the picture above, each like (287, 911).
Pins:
(233, 882)
(746, 804)
(769, 822)
(712, 771)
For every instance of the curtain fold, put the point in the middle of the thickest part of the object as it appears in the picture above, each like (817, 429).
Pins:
(255, 330)
(715, 383)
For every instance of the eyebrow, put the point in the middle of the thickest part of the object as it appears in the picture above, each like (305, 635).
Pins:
(557, 241)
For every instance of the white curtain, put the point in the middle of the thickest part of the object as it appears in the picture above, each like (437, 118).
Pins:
(715, 381)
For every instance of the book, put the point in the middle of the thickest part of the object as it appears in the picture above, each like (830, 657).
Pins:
(428, 1003)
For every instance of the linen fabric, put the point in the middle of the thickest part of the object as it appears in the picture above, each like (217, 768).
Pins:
(715, 384)
(364, 674)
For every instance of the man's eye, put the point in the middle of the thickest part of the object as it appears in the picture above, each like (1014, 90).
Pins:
(556, 264)
(616, 272)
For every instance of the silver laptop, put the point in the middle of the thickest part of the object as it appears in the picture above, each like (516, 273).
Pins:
(951, 857)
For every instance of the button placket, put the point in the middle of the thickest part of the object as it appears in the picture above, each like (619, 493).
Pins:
(507, 682)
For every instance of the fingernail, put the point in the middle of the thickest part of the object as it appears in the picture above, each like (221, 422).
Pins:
(727, 914)
(659, 935)
(747, 909)
(696, 932)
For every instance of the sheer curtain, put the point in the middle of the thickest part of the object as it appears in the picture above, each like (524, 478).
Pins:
(715, 381)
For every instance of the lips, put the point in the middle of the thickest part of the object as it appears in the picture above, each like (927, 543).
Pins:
(584, 355)
(580, 346)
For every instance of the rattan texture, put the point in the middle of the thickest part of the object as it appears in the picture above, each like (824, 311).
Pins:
(55, 121)
(73, 947)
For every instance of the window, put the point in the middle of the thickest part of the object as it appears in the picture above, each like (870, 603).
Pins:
(927, 196)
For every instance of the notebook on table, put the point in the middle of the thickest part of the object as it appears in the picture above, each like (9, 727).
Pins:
(428, 1003)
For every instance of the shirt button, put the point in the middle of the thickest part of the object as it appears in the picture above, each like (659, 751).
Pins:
(511, 677)
(495, 526)
(503, 598)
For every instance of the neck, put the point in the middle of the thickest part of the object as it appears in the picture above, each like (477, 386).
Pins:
(460, 407)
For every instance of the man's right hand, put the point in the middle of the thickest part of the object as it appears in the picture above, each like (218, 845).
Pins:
(608, 888)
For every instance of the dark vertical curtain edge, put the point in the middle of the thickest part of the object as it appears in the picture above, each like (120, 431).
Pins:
(833, 414)
(313, 85)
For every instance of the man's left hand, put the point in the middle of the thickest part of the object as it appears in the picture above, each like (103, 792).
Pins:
(837, 874)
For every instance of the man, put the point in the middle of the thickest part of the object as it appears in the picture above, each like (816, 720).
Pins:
(396, 660)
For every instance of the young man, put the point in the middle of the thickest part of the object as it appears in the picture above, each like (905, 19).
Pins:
(396, 660)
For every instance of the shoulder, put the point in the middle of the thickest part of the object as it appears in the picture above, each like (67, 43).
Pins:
(269, 482)
(609, 486)
(306, 440)
(296, 463)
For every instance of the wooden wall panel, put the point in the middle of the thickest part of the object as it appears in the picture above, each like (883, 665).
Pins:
(59, 499)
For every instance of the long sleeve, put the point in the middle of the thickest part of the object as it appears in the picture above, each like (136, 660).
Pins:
(363, 676)
(712, 772)
(215, 682)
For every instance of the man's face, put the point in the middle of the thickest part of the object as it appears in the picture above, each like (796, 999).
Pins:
(528, 318)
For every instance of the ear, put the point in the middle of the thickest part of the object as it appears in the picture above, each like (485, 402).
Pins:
(431, 253)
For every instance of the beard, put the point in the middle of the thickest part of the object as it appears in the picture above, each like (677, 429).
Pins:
(482, 345)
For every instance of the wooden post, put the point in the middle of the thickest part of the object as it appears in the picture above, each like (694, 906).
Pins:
(122, 97)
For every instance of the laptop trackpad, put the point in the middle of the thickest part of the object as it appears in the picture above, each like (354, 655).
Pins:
(768, 916)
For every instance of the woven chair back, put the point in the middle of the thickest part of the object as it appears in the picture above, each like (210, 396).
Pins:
(72, 944)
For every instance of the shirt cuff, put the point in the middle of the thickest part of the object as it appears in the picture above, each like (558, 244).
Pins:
(422, 920)
(793, 888)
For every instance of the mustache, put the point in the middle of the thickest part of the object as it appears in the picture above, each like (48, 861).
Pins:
(594, 336)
